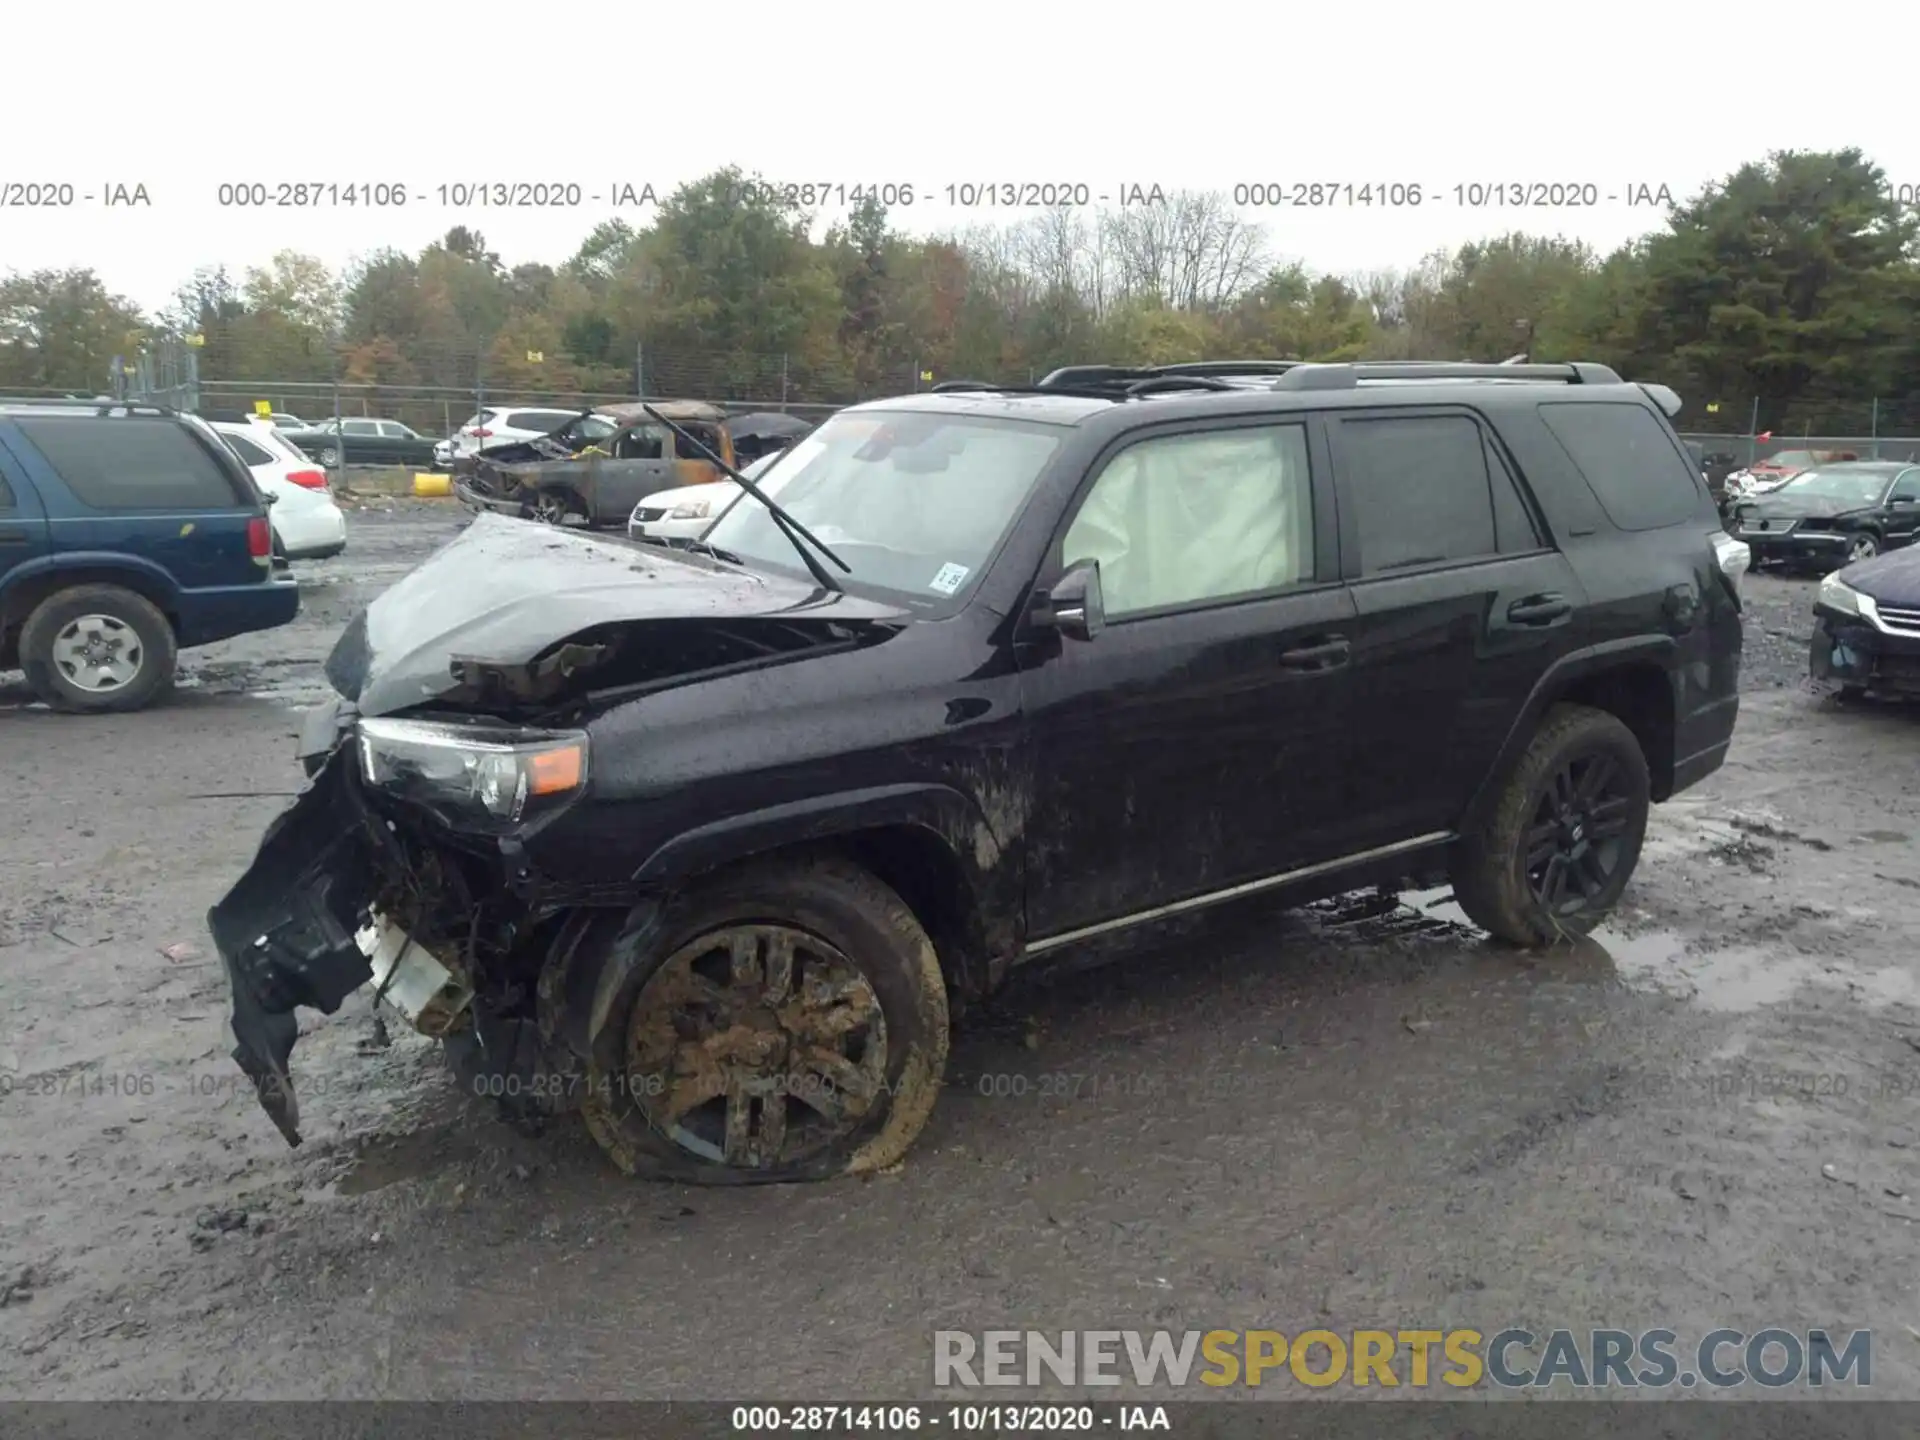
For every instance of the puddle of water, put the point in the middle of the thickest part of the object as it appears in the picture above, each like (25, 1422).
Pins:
(1736, 979)
(1732, 979)
(1745, 978)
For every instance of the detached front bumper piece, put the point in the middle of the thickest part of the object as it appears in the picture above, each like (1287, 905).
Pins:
(478, 497)
(286, 931)
(1853, 652)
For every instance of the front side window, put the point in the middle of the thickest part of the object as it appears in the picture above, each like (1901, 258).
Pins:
(1187, 519)
(642, 442)
(915, 502)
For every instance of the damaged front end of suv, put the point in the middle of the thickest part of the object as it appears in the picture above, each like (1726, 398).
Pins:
(444, 850)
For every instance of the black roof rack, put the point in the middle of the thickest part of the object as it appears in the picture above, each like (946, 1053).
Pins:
(1123, 376)
(1348, 376)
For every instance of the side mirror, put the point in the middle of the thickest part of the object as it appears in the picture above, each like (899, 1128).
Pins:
(1902, 499)
(1074, 606)
(267, 497)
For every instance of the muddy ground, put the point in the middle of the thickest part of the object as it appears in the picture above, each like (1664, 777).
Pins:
(1333, 1117)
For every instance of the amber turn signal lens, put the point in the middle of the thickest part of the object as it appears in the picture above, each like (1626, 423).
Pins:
(554, 772)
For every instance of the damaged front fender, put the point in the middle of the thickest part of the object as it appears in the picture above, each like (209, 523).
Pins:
(286, 931)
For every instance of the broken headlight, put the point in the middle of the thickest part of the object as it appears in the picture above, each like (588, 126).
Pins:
(1838, 596)
(475, 777)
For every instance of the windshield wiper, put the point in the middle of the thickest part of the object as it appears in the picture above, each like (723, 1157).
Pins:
(699, 547)
(786, 524)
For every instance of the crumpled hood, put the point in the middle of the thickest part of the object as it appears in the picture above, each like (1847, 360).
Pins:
(506, 591)
(1892, 579)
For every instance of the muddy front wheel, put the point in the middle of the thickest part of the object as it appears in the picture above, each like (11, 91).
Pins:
(785, 1022)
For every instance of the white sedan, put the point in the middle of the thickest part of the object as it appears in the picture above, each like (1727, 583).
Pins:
(683, 513)
(306, 522)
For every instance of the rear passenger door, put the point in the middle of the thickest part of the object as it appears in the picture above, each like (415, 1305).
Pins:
(1462, 604)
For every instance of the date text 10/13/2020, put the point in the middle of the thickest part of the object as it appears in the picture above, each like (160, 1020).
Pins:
(954, 1419)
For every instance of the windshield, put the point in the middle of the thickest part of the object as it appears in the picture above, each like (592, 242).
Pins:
(1854, 487)
(913, 502)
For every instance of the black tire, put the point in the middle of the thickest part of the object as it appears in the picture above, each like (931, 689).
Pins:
(154, 634)
(1492, 879)
(828, 902)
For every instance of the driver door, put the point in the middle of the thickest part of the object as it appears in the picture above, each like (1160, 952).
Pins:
(1902, 511)
(1194, 744)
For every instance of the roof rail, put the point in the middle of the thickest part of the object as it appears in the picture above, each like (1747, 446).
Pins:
(75, 402)
(1349, 376)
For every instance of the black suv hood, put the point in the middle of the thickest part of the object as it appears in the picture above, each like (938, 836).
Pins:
(1892, 579)
(507, 592)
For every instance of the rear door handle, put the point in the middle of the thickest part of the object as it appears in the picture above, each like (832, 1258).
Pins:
(13, 537)
(1539, 610)
(1325, 655)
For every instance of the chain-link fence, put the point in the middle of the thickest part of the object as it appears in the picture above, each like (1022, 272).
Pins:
(435, 388)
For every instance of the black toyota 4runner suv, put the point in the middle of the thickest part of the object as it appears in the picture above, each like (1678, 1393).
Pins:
(709, 844)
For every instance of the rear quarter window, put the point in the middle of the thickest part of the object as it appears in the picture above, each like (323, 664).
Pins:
(134, 462)
(541, 420)
(1636, 471)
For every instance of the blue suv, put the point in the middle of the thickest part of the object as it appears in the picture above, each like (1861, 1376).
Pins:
(127, 533)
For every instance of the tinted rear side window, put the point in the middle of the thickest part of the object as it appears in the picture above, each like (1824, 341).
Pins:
(248, 451)
(1632, 465)
(1420, 491)
(541, 420)
(6, 494)
(135, 462)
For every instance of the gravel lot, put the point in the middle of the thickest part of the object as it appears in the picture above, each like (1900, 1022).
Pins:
(1333, 1117)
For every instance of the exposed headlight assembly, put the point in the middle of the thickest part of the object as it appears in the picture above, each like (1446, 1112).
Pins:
(491, 778)
(1837, 596)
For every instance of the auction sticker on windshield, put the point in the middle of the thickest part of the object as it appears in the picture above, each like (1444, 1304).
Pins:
(949, 579)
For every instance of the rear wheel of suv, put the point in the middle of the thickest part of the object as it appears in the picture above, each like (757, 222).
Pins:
(1560, 842)
(99, 648)
(782, 1022)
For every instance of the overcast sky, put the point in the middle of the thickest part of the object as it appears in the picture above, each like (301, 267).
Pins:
(420, 95)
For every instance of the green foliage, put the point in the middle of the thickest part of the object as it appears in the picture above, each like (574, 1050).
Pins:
(1793, 280)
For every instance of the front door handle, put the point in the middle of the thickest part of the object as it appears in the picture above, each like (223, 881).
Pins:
(1539, 610)
(13, 537)
(1326, 654)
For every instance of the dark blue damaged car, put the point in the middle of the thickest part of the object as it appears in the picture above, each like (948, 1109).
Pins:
(1866, 626)
(707, 844)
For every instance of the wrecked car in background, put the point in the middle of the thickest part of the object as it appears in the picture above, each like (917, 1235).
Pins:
(594, 469)
(1832, 516)
(704, 844)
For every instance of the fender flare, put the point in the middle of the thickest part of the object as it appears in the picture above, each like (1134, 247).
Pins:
(108, 560)
(938, 809)
(1574, 666)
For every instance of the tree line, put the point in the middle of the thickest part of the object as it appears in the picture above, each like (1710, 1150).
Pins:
(1787, 293)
